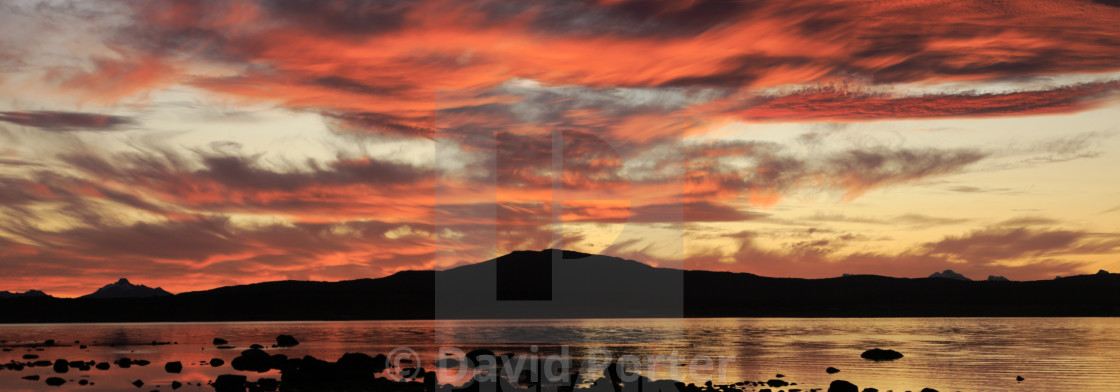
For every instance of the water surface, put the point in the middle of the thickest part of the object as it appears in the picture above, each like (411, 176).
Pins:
(953, 354)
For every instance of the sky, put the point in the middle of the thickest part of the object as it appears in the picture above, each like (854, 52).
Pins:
(197, 144)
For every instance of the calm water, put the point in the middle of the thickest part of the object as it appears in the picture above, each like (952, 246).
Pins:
(960, 354)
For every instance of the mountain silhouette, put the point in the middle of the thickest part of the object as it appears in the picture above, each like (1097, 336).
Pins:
(581, 285)
(125, 289)
(25, 294)
(949, 274)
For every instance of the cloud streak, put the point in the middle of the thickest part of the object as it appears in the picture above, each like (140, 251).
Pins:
(67, 121)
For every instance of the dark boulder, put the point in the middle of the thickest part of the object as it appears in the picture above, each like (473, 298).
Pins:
(124, 363)
(141, 362)
(286, 341)
(61, 366)
(268, 384)
(252, 360)
(55, 381)
(358, 363)
(447, 363)
(842, 386)
(176, 385)
(877, 354)
(476, 358)
(1019, 378)
(832, 370)
(254, 345)
(928, 390)
(870, 390)
(216, 362)
(102, 366)
(138, 383)
(230, 383)
(30, 356)
(173, 367)
(776, 383)
(34, 377)
(220, 341)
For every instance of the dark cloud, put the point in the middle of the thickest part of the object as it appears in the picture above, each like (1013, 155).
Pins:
(774, 172)
(1024, 221)
(969, 254)
(838, 104)
(990, 245)
(67, 121)
(973, 189)
(357, 19)
(912, 220)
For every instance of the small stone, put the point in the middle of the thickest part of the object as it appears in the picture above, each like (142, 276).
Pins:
(286, 341)
(877, 354)
(173, 367)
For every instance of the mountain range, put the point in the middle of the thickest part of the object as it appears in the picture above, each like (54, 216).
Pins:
(564, 284)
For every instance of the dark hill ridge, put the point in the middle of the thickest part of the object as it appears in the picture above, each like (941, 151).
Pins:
(584, 285)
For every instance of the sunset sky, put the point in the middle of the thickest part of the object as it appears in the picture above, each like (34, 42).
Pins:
(196, 144)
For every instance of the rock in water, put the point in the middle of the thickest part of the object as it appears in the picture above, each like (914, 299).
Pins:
(230, 383)
(286, 341)
(842, 386)
(61, 366)
(173, 367)
(475, 357)
(877, 354)
(361, 364)
(216, 362)
(252, 360)
(55, 381)
(832, 370)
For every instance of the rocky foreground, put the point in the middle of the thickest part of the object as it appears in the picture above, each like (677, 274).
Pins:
(354, 372)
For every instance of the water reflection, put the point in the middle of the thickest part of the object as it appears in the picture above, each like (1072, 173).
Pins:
(965, 354)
